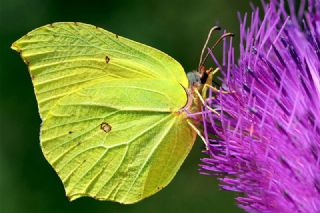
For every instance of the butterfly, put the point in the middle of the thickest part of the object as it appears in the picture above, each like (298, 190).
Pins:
(114, 112)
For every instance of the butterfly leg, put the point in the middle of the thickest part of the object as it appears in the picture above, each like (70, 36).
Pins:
(204, 103)
(197, 131)
(208, 86)
(208, 81)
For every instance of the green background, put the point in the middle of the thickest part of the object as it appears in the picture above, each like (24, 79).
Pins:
(179, 28)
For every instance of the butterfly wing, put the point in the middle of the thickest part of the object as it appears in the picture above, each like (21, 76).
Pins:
(87, 79)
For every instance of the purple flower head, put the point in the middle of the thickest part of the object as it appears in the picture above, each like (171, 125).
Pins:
(264, 142)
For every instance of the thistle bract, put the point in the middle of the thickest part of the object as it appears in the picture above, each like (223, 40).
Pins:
(264, 142)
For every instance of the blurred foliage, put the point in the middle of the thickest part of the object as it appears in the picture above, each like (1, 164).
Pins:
(179, 28)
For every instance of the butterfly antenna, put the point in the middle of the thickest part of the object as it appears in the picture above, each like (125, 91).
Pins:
(214, 45)
(215, 28)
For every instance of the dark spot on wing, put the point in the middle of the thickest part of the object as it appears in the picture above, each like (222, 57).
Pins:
(105, 127)
(27, 62)
(107, 59)
(159, 188)
(70, 132)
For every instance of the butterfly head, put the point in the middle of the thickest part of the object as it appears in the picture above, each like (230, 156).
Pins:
(194, 78)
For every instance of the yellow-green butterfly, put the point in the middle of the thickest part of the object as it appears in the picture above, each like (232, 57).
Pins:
(113, 124)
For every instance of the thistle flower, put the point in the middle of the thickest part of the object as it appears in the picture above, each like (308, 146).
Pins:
(264, 142)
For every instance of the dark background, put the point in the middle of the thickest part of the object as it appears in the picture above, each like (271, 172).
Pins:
(179, 28)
